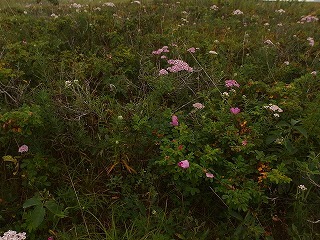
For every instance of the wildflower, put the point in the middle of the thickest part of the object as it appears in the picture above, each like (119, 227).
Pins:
(198, 105)
(286, 63)
(225, 94)
(68, 83)
(97, 9)
(54, 15)
(279, 24)
(209, 175)
(174, 120)
(163, 72)
(23, 148)
(214, 7)
(235, 110)
(164, 49)
(120, 117)
(213, 52)
(137, 2)
(184, 164)
(163, 57)
(273, 108)
(314, 73)
(25, 12)
(191, 50)
(311, 41)
(109, 4)
(244, 142)
(237, 12)
(178, 65)
(13, 235)
(268, 42)
(231, 83)
(276, 115)
(308, 19)
(302, 187)
(266, 24)
(280, 11)
(50, 238)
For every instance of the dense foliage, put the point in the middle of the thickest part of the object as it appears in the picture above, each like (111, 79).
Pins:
(163, 120)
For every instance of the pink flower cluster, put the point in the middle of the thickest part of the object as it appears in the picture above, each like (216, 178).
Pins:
(174, 120)
(198, 105)
(13, 235)
(178, 65)
(164, 49)
(308, 19)
(235, 110)
(231, 83)
(163, 72)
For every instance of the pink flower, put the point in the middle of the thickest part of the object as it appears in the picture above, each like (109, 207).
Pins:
(178, 65)
(209, 175)
(50, 238)
(163, 72)
(23, 148)
(174, 121)
(231, 83)
(191, 50)
(244, 142)
(235, 110)
(198, 105)
(184, 164)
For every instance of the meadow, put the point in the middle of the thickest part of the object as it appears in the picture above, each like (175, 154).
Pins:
(193, 119)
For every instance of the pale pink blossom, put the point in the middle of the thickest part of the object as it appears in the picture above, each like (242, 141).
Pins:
(311, 41)
(178, 65)
(13, 235)
(244, 142)
(23, 148)
(184, 164)
(237, 12)
(198, 105)
(209, 175)
(191, 50)
(163, 72)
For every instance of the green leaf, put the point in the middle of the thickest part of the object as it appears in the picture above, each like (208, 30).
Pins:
(301, 130)
(271, 139)
(35, 201)
(236, 215)
(294, 122)
(53, 207)
(35, 217)
(9, 158)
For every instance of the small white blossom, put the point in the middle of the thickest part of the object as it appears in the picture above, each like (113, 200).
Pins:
(108, 4)
(302, 187)
(213, 52)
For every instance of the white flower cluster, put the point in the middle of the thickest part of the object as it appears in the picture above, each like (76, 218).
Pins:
(13, 235)
(302, 187)
(70, 83)
(108, 4)
(274, 108)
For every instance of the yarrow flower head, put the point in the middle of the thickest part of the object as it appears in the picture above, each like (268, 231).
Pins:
(231, 83)
(268, 42)
(235, 110)
(198, 105)
(109, 4)
(163, 72)
(184, 164)
(314, 73)
(191, 50)
(273, 108)
(174, 121)
(214, 7)
(308, 19)
(302, 187)
(13, 235)
(311, 41)
(237, 12)
(280, 11)
(179, 65)
(23, 148)
(164, 49)
(213, 52)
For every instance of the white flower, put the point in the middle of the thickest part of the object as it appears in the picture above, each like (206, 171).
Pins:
(280, 11)
(237, 12)
(225, 94)
(108, 4)
(276, 115)
(286, 63)
(120, 117)
(68, 83)
(214, 7)
(314, 73)
(302, 187)
(137, 2)
(13, 235)
(213, 52)
(54, 15)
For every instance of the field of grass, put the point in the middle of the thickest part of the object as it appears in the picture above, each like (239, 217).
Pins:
(160, 120)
